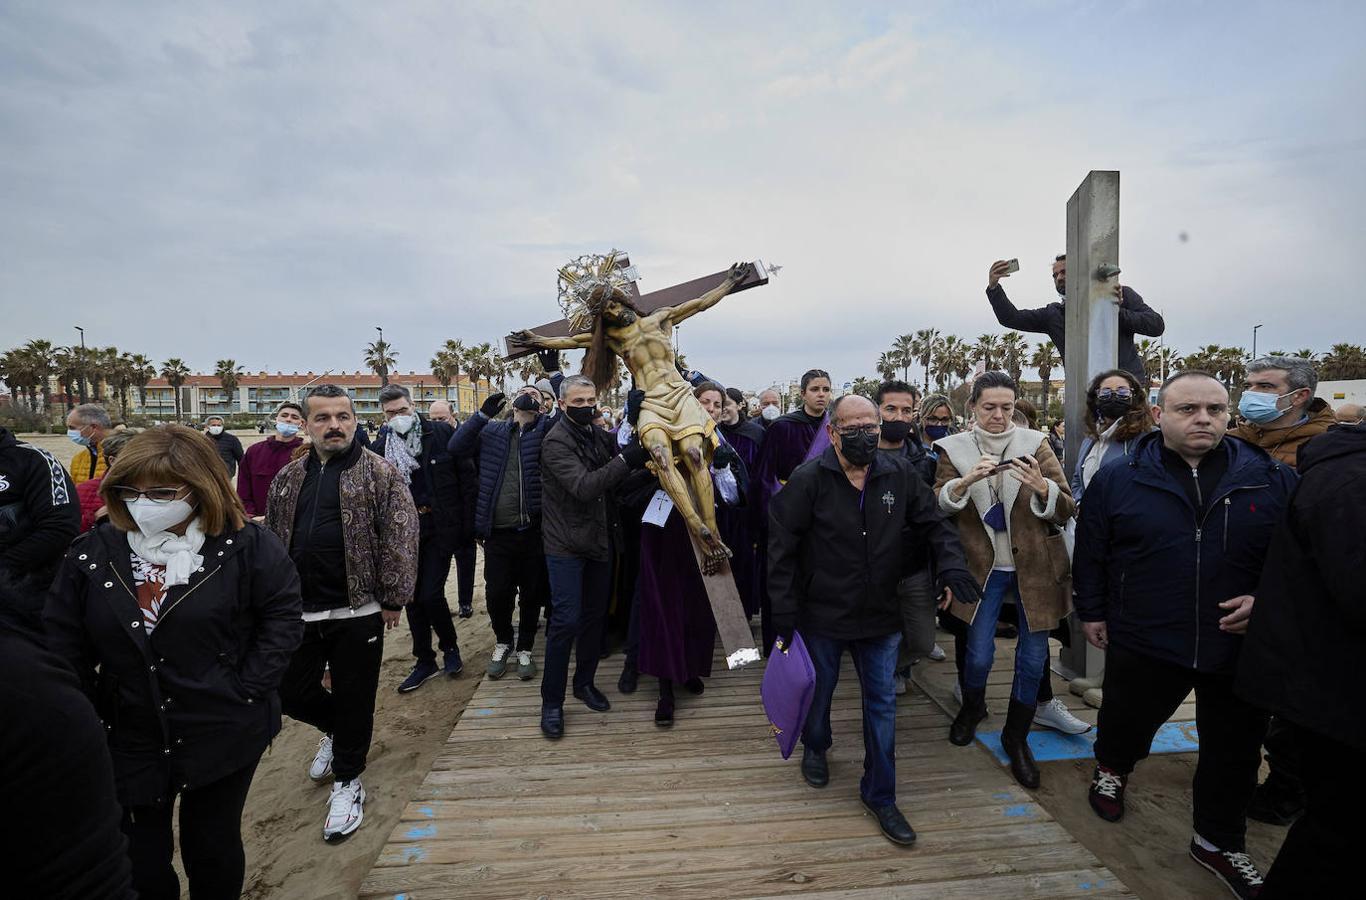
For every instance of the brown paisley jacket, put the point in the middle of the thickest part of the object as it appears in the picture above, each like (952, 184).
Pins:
(379, 527)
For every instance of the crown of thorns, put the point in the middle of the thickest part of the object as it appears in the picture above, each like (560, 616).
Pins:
(587, 283)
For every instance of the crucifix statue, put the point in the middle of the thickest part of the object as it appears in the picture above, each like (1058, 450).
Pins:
(609, 319)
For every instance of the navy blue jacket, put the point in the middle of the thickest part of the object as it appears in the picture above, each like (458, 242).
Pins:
(1155, 572)
(444, 484)
(486, 442)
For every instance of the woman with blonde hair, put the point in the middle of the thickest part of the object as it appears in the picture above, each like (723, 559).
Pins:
(180, 617)
(1010, 499)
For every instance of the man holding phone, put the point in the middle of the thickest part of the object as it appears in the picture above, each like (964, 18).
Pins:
(1135, 316)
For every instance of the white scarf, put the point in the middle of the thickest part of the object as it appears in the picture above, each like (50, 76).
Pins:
(180, 555)
(402, 451)
(1096, 455)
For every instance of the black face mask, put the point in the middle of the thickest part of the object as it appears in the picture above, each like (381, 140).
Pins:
(858, 448)
(581, 415)
(527, 403)
(895, 432)
(1113, 408)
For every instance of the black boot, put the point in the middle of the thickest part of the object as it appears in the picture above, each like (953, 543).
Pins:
(973, 711)
(1015, 742)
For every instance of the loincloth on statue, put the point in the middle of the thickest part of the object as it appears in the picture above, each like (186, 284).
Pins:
(671, 408)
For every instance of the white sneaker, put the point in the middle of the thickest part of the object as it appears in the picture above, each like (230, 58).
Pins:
(321, 770)
(1054, 714)
(899, 683)
(345, 810)
(937, 654)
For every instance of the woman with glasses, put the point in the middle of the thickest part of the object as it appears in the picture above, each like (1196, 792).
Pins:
(1010, 499)
(1117, 415)
(936, 419)
(180, 618)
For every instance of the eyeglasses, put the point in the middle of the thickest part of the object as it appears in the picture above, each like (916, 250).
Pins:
(856, 430)
(938, 420)
(156, 494)
(1121, 394)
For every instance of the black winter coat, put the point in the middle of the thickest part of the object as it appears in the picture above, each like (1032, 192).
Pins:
(483, 443)
(448, 482)
(1135, 317)
(39, 516)
(835, 553)
(229, 450)
(1302, 658)
(578, 512)
(1155, 572)
(197, 699)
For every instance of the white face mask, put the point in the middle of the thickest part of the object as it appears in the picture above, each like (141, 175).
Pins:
(770, 412)
(154, 518)
(401, 424)
(215, 430)
(286, 429)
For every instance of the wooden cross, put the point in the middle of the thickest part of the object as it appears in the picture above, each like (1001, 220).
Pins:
(648, 303)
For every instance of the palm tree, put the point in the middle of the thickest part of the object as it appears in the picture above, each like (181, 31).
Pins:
(442, 373)
(1168, 360)
(229, 373)
(946, 359)
(380, 356)
(985, 351)
(924, 347)
(1013, 350)
(1045, 359)
(175, 372)
(886, 366)
(44, 366)
(143, 371)
(479, 365)
(865, 387)
(17, 371)
(1343, 362)
(1148, 351)
(67, 361)
(903, 351)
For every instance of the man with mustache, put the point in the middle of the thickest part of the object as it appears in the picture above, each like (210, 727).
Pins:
(355, 582)
(1169, 549)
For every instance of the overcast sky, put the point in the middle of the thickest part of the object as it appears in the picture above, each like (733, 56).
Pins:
(269, 181)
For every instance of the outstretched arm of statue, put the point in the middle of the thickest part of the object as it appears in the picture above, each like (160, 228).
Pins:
(689, 308)
(540, 342)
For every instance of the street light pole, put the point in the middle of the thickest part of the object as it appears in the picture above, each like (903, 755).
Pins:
(80, 372)
(1254, 340)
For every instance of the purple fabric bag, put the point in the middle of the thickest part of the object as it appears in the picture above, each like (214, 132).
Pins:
(787, 689)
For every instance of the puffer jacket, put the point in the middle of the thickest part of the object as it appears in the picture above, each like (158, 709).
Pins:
(485, 441)
(380, 526)
(196, 699)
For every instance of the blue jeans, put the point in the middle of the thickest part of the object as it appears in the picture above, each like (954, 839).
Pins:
(579, 591)
(1031, 648)
(874, 661)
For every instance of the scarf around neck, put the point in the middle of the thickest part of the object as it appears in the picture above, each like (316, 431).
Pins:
(179, 554)
(402, 451)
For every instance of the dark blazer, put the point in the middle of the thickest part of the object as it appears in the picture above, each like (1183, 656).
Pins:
(196, 700)
(576, 493)
(835, 554)
(447, 481)
(1155, 571)
(1302, 655)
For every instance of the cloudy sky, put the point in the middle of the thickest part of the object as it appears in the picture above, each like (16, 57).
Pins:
(269, 181)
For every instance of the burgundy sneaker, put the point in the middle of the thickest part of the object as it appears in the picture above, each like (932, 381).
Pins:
(1234, 869)
(1107, 793)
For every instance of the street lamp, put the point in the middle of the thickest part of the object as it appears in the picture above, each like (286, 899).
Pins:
(80, 379)
(1254, 340)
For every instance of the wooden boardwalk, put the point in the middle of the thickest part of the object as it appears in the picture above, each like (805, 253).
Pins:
(708, 808)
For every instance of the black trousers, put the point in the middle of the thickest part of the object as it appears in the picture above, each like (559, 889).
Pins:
(428, 612)
(1141, 693)
(353, 649)
(514, 572)
(959, 629)
(210, 841)
(1283, 756)
(1318, 857)
(465, 556)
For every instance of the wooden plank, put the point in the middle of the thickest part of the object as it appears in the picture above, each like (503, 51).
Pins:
(1089, 882)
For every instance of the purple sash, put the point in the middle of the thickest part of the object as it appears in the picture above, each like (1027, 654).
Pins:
(819, 442)
(787, 689)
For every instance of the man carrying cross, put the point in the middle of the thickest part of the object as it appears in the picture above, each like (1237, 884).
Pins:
(672, 427)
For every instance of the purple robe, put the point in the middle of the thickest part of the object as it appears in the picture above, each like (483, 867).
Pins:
(736, 523)
(789, 442)
(677, 631)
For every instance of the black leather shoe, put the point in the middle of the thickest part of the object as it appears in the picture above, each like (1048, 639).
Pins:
(664, 712)
(815, 769)
(630, 678)
(552, 722)
(1015, 742)
(695, 685)
(894, 826)
(593, 698)
(970, 714)
(466, 610)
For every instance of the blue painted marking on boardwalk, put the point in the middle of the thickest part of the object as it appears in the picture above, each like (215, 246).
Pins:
(1088, 885)
(483, 712)
(1049, 746)
(426, 811)
(1003, 795)
(400, 897)
(421, 831)
(1018, 811)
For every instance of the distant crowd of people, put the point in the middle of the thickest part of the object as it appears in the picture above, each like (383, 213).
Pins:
(159, 620)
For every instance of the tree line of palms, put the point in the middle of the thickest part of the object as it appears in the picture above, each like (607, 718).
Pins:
(481, 363)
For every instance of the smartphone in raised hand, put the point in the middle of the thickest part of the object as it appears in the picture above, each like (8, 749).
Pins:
(1012, 265)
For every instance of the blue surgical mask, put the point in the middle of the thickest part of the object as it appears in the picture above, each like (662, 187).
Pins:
(1260, 408)
(286, 429)
(935, 432)
(77, 438)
